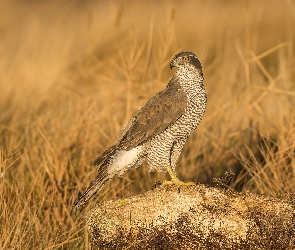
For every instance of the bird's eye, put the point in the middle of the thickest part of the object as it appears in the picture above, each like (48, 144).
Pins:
(185, 58)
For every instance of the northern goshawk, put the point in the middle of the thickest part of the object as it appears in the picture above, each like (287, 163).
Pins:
(159, 130)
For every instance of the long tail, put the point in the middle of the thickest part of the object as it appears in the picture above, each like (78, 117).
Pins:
(103, 159)
(99, 182)
(111, 163)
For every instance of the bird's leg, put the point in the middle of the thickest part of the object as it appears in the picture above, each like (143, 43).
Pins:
(175, 180)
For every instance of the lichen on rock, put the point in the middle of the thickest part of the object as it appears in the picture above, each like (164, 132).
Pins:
(194, 217)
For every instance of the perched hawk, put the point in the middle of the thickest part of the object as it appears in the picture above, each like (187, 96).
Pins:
(159, 130)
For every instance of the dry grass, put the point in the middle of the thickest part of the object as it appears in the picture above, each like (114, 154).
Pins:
(72, 73)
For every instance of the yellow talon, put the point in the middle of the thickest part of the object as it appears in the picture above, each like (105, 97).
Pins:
(175, 180)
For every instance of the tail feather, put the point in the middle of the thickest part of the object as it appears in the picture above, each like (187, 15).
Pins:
(102, 159)
(99, 182)
(112, 162)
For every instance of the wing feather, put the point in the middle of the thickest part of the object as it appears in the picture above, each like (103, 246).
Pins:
(159, 112)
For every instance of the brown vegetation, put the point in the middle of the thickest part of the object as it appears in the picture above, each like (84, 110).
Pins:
(71, 73)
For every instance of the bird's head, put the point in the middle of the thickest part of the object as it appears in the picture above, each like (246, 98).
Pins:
(186, 60)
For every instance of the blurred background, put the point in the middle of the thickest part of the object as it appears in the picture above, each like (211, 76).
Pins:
(73, 72)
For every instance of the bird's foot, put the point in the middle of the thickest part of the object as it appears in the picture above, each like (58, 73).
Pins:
(175, 180)
(178, 183)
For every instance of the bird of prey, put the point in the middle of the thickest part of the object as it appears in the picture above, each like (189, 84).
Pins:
(159, 130)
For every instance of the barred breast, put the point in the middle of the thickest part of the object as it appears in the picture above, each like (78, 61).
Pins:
(165, 148)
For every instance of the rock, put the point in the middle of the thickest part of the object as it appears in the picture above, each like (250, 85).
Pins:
(193, 217)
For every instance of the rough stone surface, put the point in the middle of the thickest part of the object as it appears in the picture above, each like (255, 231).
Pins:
(195, 217)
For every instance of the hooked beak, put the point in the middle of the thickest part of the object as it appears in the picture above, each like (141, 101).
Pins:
(172, 64)
(176, 62)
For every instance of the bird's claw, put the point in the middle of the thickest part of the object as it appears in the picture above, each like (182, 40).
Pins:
(178, 183)
(175, 180)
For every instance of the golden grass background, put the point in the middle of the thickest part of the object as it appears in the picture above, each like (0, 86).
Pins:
(73, 72)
